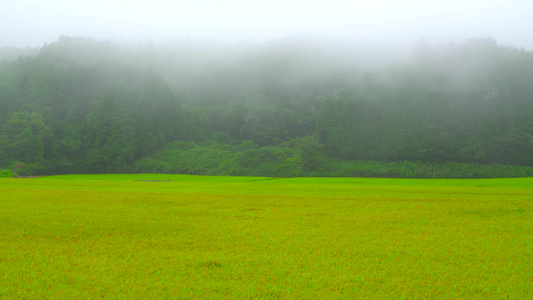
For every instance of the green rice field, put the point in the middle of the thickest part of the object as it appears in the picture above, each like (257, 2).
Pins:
(193, 237)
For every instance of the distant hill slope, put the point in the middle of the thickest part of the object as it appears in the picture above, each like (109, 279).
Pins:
(87, 106)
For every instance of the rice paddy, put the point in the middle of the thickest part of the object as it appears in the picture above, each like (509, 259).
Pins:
(186, 237)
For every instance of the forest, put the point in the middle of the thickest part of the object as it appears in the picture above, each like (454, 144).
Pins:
(296, 106)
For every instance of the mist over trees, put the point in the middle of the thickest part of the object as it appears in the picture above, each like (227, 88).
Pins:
(289, 107)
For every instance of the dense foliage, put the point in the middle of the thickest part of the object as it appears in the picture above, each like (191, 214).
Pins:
(293, 107)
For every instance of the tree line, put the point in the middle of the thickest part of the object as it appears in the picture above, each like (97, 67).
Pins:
(279, 108)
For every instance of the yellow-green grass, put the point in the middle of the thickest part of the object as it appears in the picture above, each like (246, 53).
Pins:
(121, 236)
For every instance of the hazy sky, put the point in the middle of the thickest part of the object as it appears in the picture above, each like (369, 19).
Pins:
(34, 22)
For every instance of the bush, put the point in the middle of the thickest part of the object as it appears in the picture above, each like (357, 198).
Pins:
(410, 169)
(303, 157)
(6, 173)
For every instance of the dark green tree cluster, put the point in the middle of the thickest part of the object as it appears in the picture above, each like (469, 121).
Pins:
(470, 104)
(61, 117)
(281, 108)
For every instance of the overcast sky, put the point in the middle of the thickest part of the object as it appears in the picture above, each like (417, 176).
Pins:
(34, 22)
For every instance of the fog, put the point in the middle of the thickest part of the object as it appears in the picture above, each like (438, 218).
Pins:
(31, 23)
(279, 89)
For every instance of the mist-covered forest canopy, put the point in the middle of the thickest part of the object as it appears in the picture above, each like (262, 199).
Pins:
(288, 107)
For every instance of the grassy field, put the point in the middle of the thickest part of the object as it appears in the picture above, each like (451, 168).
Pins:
(173, 236)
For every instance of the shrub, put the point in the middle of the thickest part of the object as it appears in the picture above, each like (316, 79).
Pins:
(6, 173)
